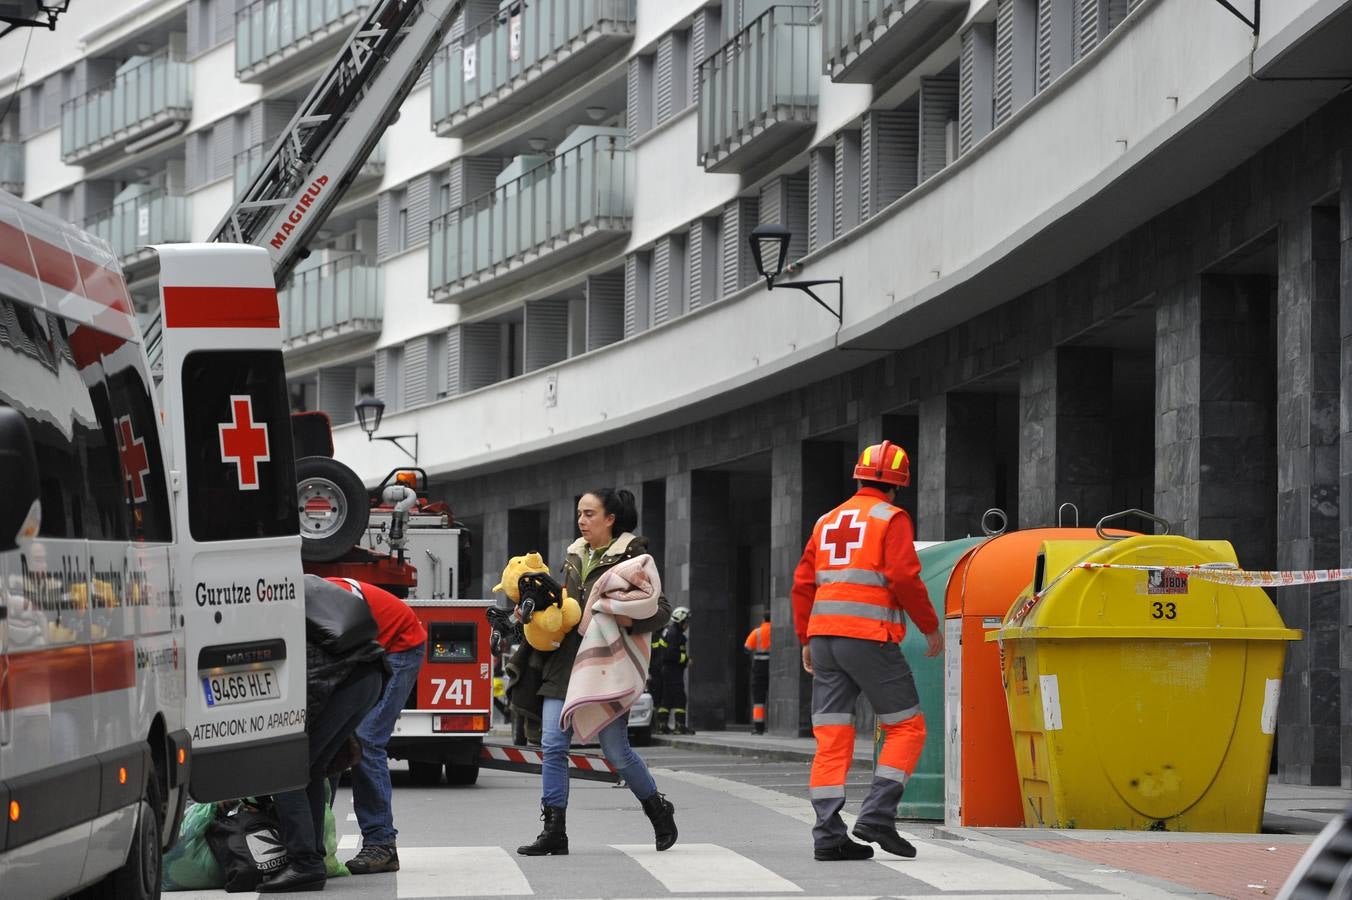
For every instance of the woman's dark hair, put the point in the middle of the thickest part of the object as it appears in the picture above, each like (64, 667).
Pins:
(619, 504)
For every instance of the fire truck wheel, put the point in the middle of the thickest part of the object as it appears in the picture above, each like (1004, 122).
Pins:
(462, 776)
(334, 508)
(424, 774)
(139, 877)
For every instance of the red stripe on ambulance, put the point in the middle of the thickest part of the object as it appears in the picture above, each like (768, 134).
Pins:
(220, 307)
(67, 673)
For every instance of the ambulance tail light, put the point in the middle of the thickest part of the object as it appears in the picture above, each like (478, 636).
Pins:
(459, 722)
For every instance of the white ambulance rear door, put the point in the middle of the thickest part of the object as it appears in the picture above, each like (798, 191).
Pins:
(238, 558)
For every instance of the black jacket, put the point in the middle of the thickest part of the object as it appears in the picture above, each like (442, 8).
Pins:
(537, 675)
(340, 639)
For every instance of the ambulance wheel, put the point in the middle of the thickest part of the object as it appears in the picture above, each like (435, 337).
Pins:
(139, 877)
(424, 774)
(334, 508)
(462, 776)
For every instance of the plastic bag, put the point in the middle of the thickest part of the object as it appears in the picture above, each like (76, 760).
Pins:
(247, 843)
(332, 866)
(189, 865)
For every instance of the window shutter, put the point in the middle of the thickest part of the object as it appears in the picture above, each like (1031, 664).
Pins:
(222, 149)
(546, 333)
(636, 293)
(419, 209)
(938, 106)
(821, 180)
(336, 394)
(199, 20)
(1044, 44)
(472, 356)
(394, 378)
(845, 195)
(976, 107)
(385, 214)
(1055, 39)
(605, 309)
(416, 385)
(888, 149)
(1004, 60)
(192, 160)
(678, 262)
(704, 40)
(738, 269)
(665, 78)
(225, 21)
(53, 95)
(638, 95)
(784, 200)
(703, 248)
(661, 272)
(381, 377)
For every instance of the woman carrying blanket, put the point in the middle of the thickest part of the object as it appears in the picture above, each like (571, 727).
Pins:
(591, 680)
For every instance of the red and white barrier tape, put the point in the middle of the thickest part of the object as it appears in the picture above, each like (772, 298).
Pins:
(584, 761)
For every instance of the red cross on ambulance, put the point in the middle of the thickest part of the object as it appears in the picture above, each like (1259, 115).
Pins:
(842, 537)
(131, 450)
(244, 443)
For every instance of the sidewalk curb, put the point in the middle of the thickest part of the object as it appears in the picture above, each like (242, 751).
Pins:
(787, 754)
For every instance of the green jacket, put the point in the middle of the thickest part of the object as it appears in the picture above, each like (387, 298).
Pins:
(541, 675)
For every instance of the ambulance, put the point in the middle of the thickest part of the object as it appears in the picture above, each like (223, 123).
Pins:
(151, 619)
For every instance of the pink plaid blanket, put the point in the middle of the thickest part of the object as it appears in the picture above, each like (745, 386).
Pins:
(611, 669)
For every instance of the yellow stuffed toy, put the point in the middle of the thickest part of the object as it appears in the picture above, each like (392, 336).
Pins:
(549, 613)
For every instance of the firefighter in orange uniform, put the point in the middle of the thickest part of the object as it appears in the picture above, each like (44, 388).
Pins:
(758, 645)
(858, 574)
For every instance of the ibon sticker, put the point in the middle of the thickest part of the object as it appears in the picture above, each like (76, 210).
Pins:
(1051, 702)
(1272, 692)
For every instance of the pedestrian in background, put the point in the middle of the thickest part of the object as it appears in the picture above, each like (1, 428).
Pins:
(758, 645)
(672, 649)
(606, 519)
(859, 573)
(404, 639)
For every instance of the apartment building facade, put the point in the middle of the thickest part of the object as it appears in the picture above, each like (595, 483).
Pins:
(1091, 251)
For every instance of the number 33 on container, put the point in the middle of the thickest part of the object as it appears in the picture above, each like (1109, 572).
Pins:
(1142, 699)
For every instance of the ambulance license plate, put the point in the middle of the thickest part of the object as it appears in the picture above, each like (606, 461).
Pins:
(241, 687)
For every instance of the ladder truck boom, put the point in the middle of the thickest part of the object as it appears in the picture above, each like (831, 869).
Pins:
(334, 131)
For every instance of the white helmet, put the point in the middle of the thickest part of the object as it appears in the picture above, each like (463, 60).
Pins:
(680, 614)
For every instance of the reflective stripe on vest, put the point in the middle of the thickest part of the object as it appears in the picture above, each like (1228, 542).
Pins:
(852, 576)
(856, 608)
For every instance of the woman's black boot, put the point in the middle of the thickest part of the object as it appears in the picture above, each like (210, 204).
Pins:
(662, 814)
(553, 841)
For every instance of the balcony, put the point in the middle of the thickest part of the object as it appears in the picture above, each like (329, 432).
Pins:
(868, 39)
(150, 97)
(248, 162)
(759, 89)
(275, 36)
(331, 303)
(518, 57)
(150, 215)
(578, 201)
(11, 168)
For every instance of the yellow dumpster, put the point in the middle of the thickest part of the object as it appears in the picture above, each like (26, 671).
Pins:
(1142, 699)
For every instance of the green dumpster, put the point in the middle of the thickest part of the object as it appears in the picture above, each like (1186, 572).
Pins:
(924, 797)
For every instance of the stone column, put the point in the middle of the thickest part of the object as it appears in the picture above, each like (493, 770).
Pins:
(562, 527)
(494, 544)
(713, 592)
(956, 476)
(1065, 434)
(1345, 447)
(1308, 528)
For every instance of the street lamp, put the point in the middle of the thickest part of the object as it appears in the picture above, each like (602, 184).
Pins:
(770, 250)
(370, 410)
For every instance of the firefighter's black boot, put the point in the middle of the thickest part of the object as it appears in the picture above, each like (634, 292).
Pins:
(553, 841)
(662, 813)
(663, 719)
(681, 727)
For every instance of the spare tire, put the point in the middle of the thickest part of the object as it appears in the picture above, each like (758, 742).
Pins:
(334, 508)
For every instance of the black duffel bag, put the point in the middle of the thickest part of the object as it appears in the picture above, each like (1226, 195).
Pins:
(246, 840)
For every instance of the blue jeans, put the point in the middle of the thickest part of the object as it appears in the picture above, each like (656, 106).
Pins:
(371, 778)
(614, 740)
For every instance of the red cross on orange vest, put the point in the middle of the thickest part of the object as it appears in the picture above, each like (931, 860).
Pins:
(244, 443)
(842, 537)
(131, 450)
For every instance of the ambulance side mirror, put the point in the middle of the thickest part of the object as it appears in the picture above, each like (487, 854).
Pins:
(18, 478)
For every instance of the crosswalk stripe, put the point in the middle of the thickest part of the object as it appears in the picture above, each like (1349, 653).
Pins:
(349, 842)
(706, 868)
(950, 870)
(459, 872)
(352, 817)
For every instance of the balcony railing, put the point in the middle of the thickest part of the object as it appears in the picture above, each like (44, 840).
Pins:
(870, 40)
(581, 196)
(339, 298)
(248, 162)
(11, 167)
(140, 100)
(763, 80)
(504, 56)
(271, 32)
(154, 217)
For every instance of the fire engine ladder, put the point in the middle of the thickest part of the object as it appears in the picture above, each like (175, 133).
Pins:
(327, 142)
